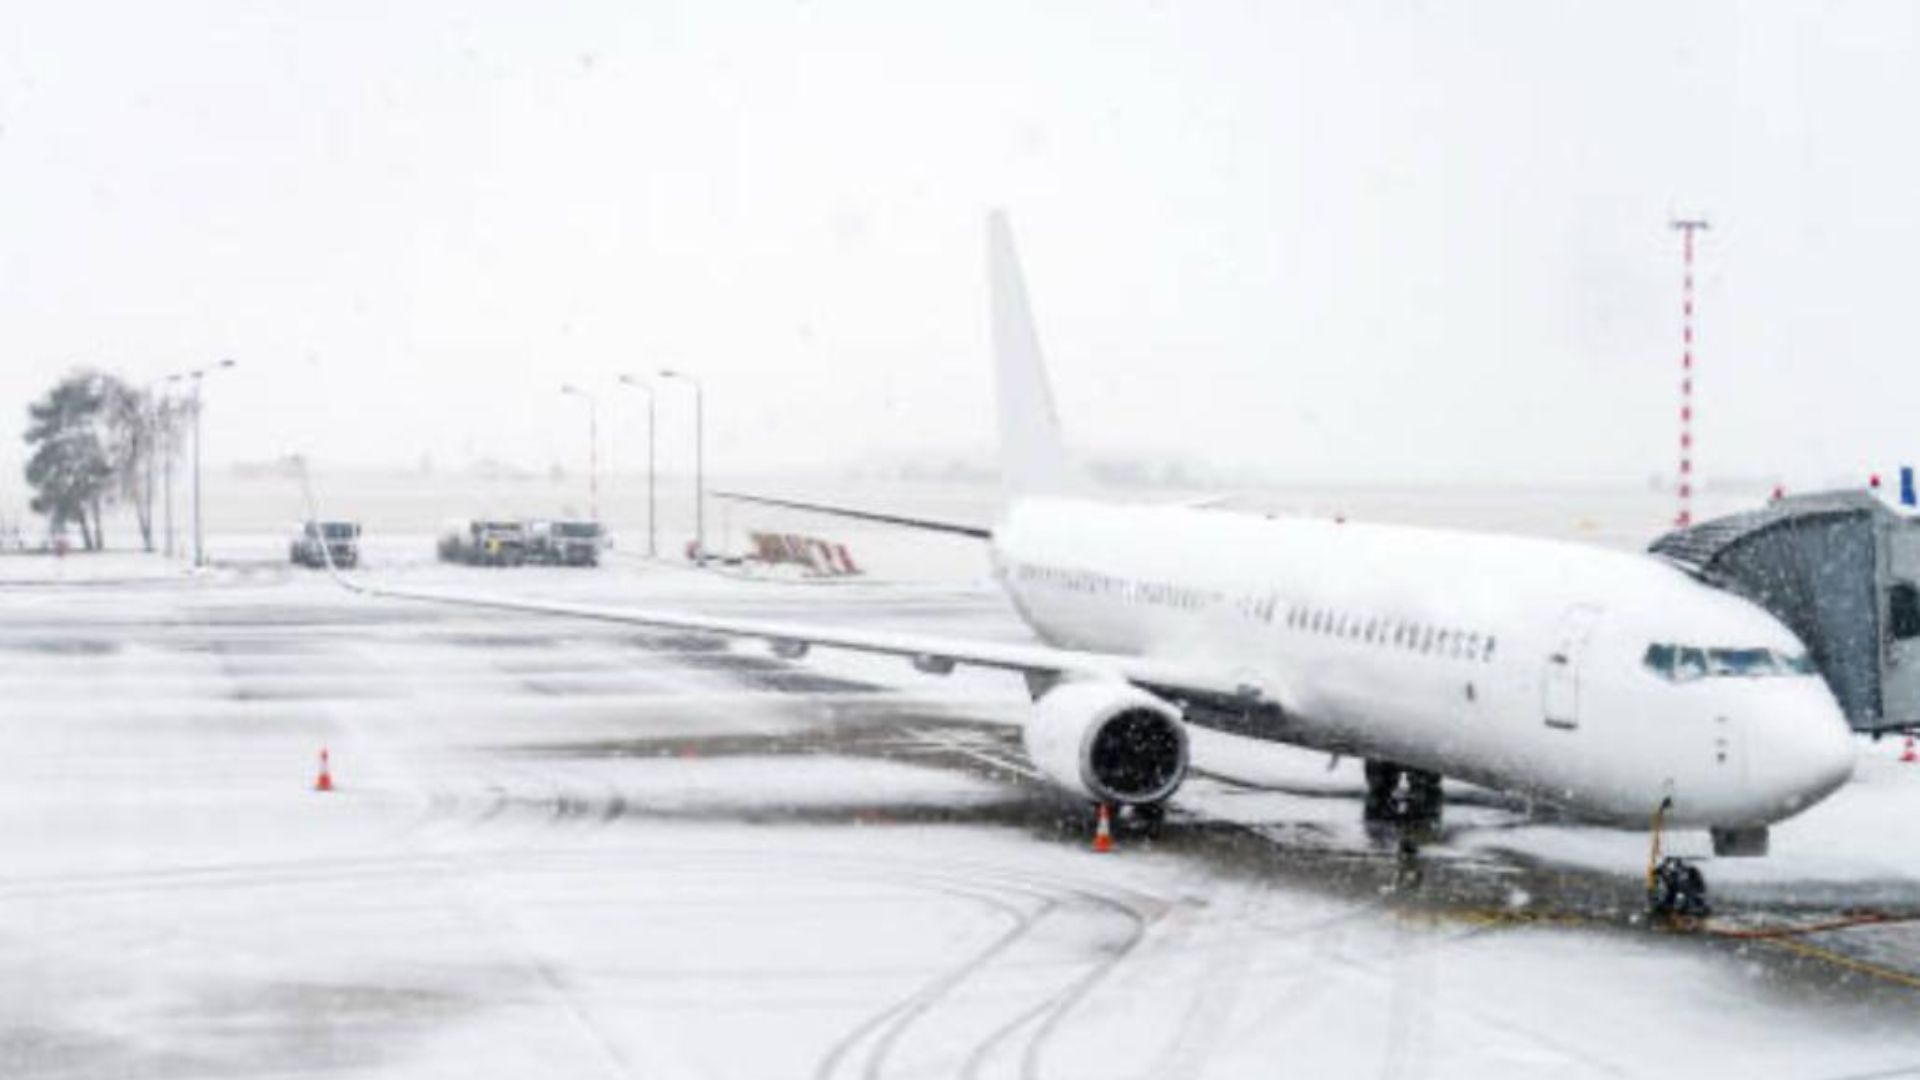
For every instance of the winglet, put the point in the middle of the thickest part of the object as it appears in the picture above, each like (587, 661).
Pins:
(1033, 459)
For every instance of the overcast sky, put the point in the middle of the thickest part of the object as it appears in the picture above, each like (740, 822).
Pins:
(1344, 241)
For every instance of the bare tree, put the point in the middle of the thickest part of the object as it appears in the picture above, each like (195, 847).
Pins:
(132, 423)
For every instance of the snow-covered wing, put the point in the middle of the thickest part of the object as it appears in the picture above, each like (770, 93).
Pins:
(928, 652)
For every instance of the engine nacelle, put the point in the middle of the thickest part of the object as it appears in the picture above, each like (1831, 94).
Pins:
(1109, 741)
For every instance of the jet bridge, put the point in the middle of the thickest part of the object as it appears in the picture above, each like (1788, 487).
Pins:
(1842, 570)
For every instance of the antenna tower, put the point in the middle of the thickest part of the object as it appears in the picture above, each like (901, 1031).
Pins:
(1685, 517)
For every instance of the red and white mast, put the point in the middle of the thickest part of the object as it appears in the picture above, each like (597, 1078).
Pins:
(1685, 517)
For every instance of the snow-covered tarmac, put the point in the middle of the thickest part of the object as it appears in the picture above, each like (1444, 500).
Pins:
(560, 849)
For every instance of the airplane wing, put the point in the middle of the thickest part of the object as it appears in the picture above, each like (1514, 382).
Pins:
(978, 532)
(932, 654)
(1040, 664)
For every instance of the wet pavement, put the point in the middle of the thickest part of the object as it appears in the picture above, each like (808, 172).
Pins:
(514, 793)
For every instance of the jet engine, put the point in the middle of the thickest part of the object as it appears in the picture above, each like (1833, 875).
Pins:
(1109, 741)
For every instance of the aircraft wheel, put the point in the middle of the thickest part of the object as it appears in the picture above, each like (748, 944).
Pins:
(1423, 796)
(1678, 890)
(1145, 817)
(1383, 781)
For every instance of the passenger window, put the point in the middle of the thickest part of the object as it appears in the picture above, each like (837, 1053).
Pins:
(1690, 664)
(1903, 611)
(1660, 659)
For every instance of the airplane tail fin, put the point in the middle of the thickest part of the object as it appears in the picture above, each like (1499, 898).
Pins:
(1033, 459)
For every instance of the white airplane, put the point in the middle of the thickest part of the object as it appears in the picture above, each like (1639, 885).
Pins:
(1610, 684)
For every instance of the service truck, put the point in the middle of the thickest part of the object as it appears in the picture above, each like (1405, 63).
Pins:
(484, 542)
(565, 543)
(315, 541)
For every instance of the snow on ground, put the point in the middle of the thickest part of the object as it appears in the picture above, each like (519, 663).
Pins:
(575, 850)
(1860, 847)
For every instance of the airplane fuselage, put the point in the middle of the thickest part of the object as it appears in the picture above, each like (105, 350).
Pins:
(1522, 664)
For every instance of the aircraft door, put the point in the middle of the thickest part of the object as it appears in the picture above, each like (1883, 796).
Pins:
(1560, 692)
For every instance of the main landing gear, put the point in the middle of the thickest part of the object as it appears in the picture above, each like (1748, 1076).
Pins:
(1402, 808)
(1390, 802)
(1144, 817)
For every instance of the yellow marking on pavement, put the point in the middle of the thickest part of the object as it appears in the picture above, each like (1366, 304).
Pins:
(1892, 975)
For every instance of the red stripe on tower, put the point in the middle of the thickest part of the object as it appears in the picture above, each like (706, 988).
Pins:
(1685, 488)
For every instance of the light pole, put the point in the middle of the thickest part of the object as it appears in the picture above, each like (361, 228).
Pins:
(197, 375)
(699, 465)
(653, 550)
(593, 447)
(162, 447)
(152, 424)
(166, 466)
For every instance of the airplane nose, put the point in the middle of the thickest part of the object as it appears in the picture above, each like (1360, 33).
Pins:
(1816, 751)
(1832, 761)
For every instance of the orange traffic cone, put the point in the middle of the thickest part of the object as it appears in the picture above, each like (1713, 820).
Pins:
(1908, 755)
(325, 783)
(1103, 831)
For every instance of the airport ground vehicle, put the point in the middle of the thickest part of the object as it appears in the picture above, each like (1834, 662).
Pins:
(483, 542)
(316, 541)
(564, 543)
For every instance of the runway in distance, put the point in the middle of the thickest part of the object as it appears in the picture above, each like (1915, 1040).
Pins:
(1606, 683)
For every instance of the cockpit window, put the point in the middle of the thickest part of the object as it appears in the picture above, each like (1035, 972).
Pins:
(1797, 663)
(1742, 662)
(1691, 665)
(1684, 663)
(1660, 660)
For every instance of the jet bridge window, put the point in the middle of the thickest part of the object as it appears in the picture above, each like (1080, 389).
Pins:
(1903, 611)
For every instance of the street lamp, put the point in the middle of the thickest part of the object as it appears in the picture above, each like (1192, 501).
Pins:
(197, 375)
(699, 465)
(653, 550)
(593, 446)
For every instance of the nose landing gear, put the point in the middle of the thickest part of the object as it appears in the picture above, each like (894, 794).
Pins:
(1675, 887)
